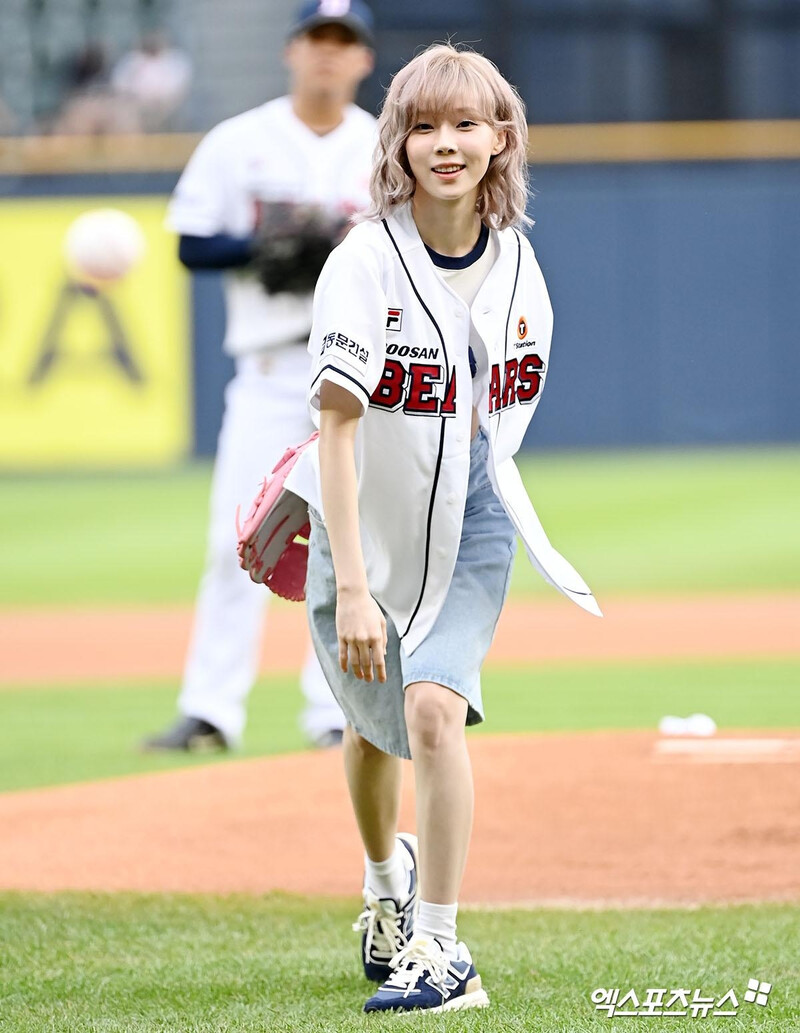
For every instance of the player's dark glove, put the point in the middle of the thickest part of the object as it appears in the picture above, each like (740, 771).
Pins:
(291, 246)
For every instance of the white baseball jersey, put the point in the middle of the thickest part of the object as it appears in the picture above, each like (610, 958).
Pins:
(268, 154)
(391, 331)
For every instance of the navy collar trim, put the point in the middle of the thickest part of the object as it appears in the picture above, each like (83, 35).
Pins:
(448, 262)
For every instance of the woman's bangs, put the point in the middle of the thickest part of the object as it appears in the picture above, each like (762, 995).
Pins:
(446, 88)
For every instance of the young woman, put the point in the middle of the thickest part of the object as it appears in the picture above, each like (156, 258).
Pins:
(431, 338)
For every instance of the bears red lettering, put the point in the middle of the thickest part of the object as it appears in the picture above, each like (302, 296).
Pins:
(529, 379)
(522, 382)
(449, 403)
(390, 392)
(509, 384)
(494, 389)
(422, 388)
(415, 389)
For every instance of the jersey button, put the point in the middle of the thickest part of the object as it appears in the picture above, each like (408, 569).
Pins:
(452, 498)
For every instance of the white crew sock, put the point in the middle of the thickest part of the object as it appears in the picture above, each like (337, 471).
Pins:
(389, 878)
(438, 920)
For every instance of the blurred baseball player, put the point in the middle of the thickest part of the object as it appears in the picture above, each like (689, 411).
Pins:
(310, 150)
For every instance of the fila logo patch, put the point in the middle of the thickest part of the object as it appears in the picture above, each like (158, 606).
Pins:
(394, 319)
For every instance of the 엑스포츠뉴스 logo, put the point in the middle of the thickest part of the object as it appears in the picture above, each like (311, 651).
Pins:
(522, 328)
(681, 1002)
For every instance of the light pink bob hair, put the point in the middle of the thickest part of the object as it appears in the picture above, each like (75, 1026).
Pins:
(441, 79)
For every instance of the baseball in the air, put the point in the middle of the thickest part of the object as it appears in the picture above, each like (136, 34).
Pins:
(103, 245)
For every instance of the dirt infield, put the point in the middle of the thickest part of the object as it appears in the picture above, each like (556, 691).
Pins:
(575, 819)
(64, 647)
(560, 819)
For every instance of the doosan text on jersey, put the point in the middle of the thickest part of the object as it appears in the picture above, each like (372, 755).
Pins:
(391, 331)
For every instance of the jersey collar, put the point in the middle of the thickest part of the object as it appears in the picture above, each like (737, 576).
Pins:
(405, 232)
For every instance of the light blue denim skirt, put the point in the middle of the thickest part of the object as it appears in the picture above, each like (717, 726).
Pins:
(454, 650)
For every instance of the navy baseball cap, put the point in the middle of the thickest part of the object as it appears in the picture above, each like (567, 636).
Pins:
(353, 14)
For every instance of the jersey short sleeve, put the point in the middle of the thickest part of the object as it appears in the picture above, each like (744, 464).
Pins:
(198, 207)
(348, 336)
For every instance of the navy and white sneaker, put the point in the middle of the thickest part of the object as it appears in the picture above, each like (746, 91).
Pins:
(386, 925)
(423, 977)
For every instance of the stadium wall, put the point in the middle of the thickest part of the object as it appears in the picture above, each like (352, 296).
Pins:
(673, 283)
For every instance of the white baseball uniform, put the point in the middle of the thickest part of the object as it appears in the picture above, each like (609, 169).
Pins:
(265, 154)
(390, 330)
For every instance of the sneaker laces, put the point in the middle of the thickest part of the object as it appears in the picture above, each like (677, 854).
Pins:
(380, 923)
(418, 957)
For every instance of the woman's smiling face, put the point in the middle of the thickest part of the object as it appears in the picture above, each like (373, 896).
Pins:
(449, 152)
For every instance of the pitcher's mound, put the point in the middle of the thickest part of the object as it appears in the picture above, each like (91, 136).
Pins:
(596, 817)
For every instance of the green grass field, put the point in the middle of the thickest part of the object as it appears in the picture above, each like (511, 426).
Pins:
(130, 964)
(631, 522)
(709, 521)
(52, 736)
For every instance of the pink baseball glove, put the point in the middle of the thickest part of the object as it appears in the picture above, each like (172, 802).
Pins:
(267, 547)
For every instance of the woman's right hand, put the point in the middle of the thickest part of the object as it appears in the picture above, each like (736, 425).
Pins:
(360, 624)
(361, 629)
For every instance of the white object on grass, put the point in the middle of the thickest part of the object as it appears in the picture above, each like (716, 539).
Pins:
(696, 724)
